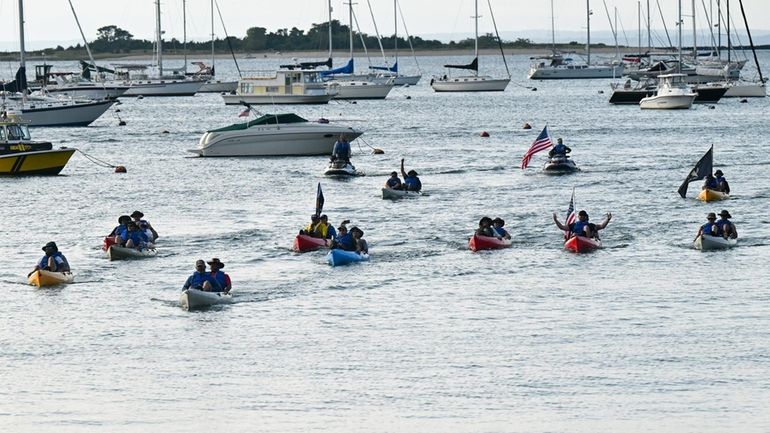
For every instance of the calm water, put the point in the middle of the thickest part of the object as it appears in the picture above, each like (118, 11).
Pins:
(645, 335)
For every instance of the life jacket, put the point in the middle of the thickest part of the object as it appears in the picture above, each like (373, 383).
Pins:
(346, 243)
(393, 182)
(711, 229)
(221, 278)
(321, 230)
(413, 183)
(578, 227)
(58, 259)
(712, 184)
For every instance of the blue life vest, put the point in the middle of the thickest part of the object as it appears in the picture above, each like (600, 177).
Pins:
(346, 243)
(559, 149)
(58, 259)
(138, 237)
(331, 232)
(341, 150)
(720, 226)
(221, 280)
(578, 227)
(197, 279)
(712, 184)
(413, 183)
(393, 182)
(710, 229)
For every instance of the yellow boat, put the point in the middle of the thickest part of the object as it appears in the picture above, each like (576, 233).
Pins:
(47, 278)
(708, 195)
(20, 156)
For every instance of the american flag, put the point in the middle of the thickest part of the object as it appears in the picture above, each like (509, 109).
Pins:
(542, 142)
(570, 213)
(245, 113)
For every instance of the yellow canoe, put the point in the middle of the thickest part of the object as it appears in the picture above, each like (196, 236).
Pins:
(712, 195)
(48, 278)
(43, 162)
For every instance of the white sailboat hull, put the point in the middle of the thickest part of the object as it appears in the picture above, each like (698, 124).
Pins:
(94, 92)
(58, 114)
(574, 72)
(362, 89)
(746, 90)
(164, 88)
(479, 83)
(407, 80)
(214, 86)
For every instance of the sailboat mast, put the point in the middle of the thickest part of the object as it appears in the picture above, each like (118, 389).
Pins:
(350, 14)
(694, 35)
(729, 39)
(213, 58)
(588, 32)
(649, 32)
(395, 34)
(159, 40)
(476, 45)
(184, 33)
(330, 30)
(22, 51)
(553, 31)
(719, 30)
(679, 23)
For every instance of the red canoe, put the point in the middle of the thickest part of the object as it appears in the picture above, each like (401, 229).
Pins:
(303, 243)
(582, 244)
(487, 243)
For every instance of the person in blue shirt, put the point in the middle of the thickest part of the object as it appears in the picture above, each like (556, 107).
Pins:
(222, 278)
(144, 225)
(341, 150)
(582, 227)
(115, 236)
(344, 240)
(411, 181)
(53, 260)
(710, 228)
(201, 280)
(722, 184)
(559, 149)
(497, 226)
(725, 227)
(134, 237)
(711, 183)
(393, 181)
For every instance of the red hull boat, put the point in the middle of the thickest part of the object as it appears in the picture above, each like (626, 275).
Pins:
(487, 243)
(304, 243)
(582, 244)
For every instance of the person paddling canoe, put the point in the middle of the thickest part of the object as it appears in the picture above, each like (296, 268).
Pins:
(53, 260)
(582, 227)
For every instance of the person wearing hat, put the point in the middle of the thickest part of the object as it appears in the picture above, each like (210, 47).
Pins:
(344, 239)
(361, 247)
(144, 225)
(53, 260)
(582, 227)
(310, 228)
(485, 228)
(710, 228)
(201, 280)
(222, 278)
(393, 181)
(710, 183)
(725, 227)
(411, 181)
(115, 235)
(134, 237)
(722, 184)
(497, 226)
(341, 149)
(559, 149)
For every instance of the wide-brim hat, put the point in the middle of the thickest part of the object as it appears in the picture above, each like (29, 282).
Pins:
(718, 173)
(412, 173)
(123, 218)
(52, 245)
(725, 214)
(356, 229)
(136, 214)
(498, 220)
(216, 261)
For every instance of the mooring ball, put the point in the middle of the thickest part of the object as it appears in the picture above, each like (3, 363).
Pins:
(120, 169)
(484, 134)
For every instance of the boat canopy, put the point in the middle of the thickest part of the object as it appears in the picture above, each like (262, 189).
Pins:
(267, 119)
(347, 69)
(474, 65)
(308, 65)
(17, 85)
(393, 68)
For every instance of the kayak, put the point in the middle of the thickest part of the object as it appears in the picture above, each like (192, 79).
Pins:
(48, 278)
(708, 195)
(394, 194)
(194, 299)
(487, 243)
(304, 243)
(560, 164)
(116, 252)
(712, 243)
(582, 244)
(337, 257)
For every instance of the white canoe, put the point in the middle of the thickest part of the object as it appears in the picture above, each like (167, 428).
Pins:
(115, 252)
(389, 193)
(194, 299)
(711, 243)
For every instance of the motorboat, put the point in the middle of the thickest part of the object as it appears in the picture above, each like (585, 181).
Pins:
(672, 93)
(560, 164)
(194, 299)
(74, 85)
(274, 135)
(713, 243)
(20, 156)
(627, 94)
(284, 86)
(340, 168)
(361, 88)
(473, 82)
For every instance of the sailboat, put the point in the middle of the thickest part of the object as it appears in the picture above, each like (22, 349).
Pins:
(399, 79)
(45, 110)
(470, 83)
(208, 72)
(561, 67)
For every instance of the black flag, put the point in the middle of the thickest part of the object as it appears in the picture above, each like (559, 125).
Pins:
(700, 171)
(319, 200)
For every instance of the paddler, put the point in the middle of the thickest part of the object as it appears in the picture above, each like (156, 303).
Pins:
(222, 278)
(53, 260)
(201, 280)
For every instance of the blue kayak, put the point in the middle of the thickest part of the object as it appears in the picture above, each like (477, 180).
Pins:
(339, 257)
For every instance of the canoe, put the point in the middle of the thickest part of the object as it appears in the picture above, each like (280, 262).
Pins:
(194, 299)
(116, 252)
(339, 257)
(582, 244)
(487, 243)
(713, 243)
(48, 278)
(394, 194)
(304, 243)
(708, 195)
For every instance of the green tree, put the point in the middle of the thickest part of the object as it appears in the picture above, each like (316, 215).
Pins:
(256, 39)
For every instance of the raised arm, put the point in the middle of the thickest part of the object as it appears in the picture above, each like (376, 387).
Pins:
(558, 223)
(606, 221)
(403, 173)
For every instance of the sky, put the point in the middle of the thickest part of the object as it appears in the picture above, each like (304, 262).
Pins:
(50, 22)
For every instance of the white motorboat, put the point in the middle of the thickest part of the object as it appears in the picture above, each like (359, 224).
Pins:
(395, 194)
(194, 299)
(274, 135)
(284, 86)
(116, 252)
(713, 243)
(672, 93)
(341, 168)
(474, 82)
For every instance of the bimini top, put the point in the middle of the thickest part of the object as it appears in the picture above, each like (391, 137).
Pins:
(267, 119)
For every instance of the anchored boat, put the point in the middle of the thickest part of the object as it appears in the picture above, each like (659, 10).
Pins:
(20, 156)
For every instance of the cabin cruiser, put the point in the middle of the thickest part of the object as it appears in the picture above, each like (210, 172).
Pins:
(672, 93)
(284, 86)
(20, 156)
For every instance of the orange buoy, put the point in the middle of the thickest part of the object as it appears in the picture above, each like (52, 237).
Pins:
(120, 169)
(484, 134)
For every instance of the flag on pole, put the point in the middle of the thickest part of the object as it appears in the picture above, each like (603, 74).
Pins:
(570, 213)
(245, 113)
(700, 171)
(319, 200)
(542, 142)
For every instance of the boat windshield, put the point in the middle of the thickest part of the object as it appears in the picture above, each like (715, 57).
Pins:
(17, 132)
(2, 133)
(313, 77)
(25, 132)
